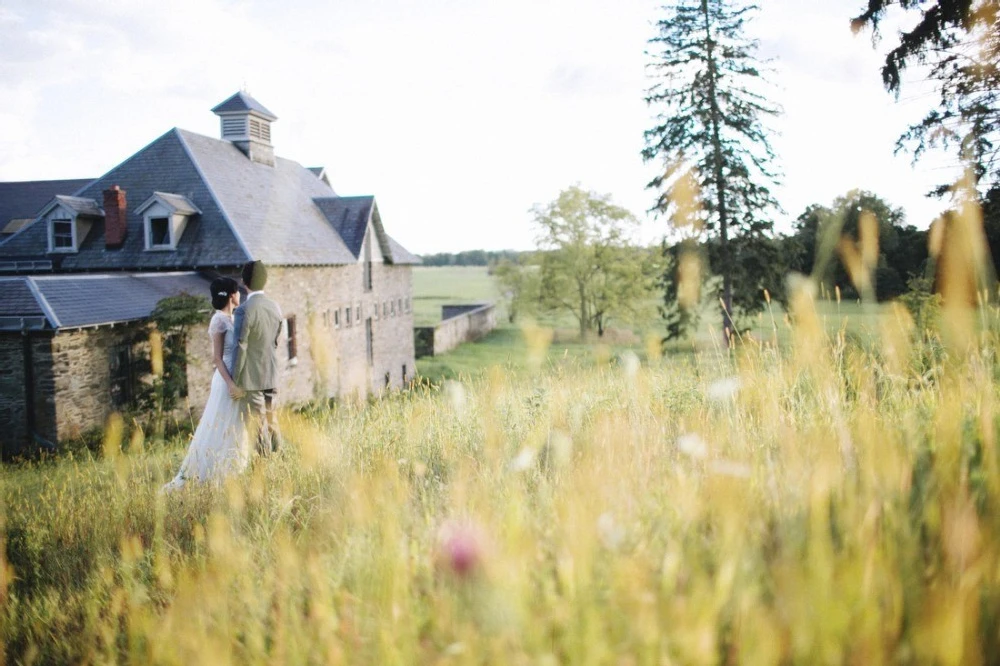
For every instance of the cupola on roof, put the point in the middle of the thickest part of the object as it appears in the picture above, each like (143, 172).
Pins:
(241, 103)
(247, 124)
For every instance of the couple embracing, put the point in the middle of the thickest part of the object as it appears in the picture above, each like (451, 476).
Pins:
(241, 402)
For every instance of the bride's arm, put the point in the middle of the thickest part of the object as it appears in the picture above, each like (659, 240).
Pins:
(218, 343)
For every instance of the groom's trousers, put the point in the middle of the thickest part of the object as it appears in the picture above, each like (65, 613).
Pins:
(259, 412)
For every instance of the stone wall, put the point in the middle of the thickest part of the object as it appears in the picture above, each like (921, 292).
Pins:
(81, 371)
(460, 323)
(13, 421)
(14, 398)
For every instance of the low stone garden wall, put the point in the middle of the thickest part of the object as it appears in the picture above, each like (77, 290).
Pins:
(459, 323)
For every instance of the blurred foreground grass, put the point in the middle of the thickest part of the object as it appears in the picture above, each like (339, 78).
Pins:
(835, 501)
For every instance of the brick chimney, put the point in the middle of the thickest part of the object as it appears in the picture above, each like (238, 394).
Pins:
(114, 217)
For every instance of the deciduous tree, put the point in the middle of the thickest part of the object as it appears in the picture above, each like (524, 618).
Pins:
(589, 263)
(900, 254)
(518, 284)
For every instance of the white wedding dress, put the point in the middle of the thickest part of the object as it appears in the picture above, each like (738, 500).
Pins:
(220, 446)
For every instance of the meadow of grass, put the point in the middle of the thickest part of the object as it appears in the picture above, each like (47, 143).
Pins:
(832, 501)
(434, 286)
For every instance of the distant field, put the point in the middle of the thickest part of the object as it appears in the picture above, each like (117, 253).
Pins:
(434, 286)
(437, 286)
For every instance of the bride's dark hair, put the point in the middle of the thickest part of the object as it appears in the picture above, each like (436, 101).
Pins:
(222, 288)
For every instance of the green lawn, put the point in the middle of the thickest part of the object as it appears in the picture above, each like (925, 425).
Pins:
(434, 286)
(507, 347)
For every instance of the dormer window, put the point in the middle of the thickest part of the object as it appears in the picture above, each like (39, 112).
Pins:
(62, 234)
(159, 232)
(69, 220)
(164, 217)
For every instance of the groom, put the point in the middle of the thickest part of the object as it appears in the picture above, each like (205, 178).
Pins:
(257, 324)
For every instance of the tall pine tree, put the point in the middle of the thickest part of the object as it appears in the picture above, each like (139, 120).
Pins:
(707, 94)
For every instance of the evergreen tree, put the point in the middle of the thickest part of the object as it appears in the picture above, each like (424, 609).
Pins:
(959, 41)
(709, 110)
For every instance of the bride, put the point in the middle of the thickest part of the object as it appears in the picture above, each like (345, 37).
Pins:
(220, 446)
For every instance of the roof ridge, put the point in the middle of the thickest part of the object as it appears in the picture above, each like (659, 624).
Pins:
(215, 197)
(50, 314)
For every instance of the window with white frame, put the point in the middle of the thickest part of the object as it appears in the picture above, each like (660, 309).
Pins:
(164, 218)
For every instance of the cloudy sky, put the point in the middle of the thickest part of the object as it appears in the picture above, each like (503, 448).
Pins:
(458, 115)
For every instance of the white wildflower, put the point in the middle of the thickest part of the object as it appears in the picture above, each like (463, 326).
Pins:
(692, 445)
(610, 532)
(456, 396)
(523, 461)
(630, 364)
(724, 389)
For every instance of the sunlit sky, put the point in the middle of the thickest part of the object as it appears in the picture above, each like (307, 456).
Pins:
(458, 115)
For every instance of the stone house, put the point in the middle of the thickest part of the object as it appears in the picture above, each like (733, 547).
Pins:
(81, 273)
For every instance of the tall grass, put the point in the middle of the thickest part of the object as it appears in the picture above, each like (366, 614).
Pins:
(835, 500)
(832, 503)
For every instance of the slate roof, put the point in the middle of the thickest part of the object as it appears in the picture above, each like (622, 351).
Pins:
(241, 101)
(74, 301)
(164, 165)
(179, 203)
(18, 300)
(270, 207)
(23, 200)
(400, 255)
(79, 205)
(349, 216)
(245, 210)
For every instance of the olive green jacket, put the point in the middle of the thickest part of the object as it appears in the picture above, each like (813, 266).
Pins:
(257, 324)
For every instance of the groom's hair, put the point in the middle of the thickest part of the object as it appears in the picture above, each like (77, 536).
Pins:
(254, 275)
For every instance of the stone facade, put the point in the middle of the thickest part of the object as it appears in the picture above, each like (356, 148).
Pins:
(17, 394)
(73, 370)
(81, 369)
(69, 390)
(331, 346)
(13, 398)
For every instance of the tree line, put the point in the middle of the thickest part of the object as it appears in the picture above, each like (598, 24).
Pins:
(712, 125)
(588, 264)
(469, 257)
